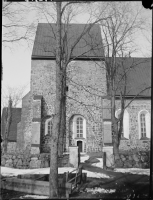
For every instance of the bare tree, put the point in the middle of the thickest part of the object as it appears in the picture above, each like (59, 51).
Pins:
(118, 39)
(15, 93)
(11, 98)
(15, 26)
(64, 51)
(7, 121)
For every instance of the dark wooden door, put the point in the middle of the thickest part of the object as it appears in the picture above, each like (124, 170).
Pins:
(79, 144)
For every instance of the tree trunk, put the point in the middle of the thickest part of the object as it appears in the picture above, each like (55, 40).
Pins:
(53, 182)
(115, 131)
(53, 179)
(8, 120)
(115, 137)
(63, 114)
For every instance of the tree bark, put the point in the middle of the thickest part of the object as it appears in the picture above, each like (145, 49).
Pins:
(57, 117)
(115, 136)
(61, 142)
(114, 129)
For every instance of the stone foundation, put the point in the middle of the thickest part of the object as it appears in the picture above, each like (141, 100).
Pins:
(140, 159)
(24, 161)
(11, 147)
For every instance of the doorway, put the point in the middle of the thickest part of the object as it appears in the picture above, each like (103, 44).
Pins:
(79, 144)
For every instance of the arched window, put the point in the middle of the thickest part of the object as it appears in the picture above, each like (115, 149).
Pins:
(125, 133)
(79, 127)
(48, 126)
(144, 124)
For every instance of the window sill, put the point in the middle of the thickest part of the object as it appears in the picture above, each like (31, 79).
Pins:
(123, 138)
(144, 138)
(82, 138)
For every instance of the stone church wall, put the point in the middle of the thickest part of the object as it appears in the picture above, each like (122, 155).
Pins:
(86, 83)
(86, 87)
(43, 83)
(134, 142)
(11, 147)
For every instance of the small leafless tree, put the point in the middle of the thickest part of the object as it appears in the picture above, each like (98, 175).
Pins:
(7, 122)
(15, 93)
(11, 98)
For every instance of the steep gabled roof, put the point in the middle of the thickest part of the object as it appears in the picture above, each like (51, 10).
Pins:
(89, 46)
(16, 118)
(138, 72)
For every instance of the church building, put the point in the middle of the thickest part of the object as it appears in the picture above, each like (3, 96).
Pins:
(88, 118)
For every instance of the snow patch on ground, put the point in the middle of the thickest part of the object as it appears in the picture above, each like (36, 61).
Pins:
(6, 171)
(99, 164)
(99, 190)
(83, 158)
(95, 174)
(134, 171)
(34, 197)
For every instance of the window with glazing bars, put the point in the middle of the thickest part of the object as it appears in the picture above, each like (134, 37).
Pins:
(49, 127)
(79, 127)
(143, 125)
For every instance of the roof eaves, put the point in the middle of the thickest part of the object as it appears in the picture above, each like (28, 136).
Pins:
(39, 57)
(134, 96)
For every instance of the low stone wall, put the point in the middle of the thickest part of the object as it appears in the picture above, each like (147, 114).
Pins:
(140, 159)
(24, 161)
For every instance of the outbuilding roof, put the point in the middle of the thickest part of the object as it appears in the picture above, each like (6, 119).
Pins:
(88, 46)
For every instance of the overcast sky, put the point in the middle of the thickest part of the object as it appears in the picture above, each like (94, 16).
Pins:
(17, 62)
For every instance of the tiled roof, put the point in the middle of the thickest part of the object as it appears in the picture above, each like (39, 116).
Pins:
(16, 118)
(138, 75)
(89, 46)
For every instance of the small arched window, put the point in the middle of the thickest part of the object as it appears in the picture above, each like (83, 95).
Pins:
(48, 127)
(125, 132)
(144, 124)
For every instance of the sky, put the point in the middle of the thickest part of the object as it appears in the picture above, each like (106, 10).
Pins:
(17, 61)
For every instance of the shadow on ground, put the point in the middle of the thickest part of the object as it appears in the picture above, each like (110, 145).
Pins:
(125, 185)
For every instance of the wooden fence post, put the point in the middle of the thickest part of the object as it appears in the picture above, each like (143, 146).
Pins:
(104, 160)
(80, 174)
(67, 176)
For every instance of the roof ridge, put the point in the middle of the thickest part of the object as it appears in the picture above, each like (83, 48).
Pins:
(72, 23)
